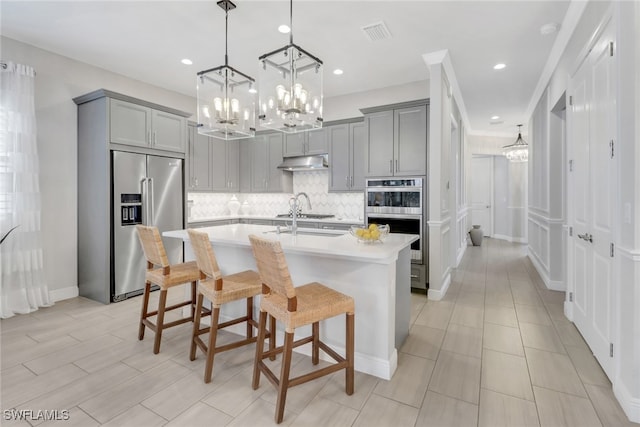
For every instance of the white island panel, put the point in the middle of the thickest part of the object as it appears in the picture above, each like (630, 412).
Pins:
(377, 276)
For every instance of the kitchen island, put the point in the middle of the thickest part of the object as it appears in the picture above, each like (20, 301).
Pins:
(376, 275)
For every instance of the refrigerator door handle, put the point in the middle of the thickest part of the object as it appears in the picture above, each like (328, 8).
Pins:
(144, 201)
(151, 204)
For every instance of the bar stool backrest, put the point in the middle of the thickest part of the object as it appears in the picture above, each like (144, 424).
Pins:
(205, 256)
(152, 245)
(272, 266)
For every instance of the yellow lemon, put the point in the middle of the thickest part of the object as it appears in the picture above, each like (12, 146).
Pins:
(366, 235)
(373, 226)
(375, 234)
(359, 232)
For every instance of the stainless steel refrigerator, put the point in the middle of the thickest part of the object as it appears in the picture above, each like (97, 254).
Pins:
(146, 189)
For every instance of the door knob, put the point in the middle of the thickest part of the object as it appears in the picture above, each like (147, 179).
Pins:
(586, 237)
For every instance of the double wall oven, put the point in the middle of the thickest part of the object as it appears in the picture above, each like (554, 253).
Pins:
(401, 203)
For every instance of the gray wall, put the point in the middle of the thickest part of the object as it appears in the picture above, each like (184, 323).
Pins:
(58, 80)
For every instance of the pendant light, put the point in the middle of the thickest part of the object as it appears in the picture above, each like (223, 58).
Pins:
(517, 152)
(226, 97)
(290, 82)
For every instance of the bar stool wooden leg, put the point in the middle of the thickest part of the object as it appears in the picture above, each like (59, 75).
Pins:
(272, 336)
(262, 323)
(315, 347)
(193, 300)
(160, 321)
(283, 385)
(250, 317)
(196, 327)
(350, 338)
(211, 349)
(145, 308)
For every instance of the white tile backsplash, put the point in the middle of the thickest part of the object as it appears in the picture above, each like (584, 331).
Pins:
(314, 183)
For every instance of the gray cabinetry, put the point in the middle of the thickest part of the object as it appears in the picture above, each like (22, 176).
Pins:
(224, 165)
(212, 163)
(346, 156)
(396, 141)
(140, 125)
(198, 161)
(266, 155)
(305, 143)
(410, 141)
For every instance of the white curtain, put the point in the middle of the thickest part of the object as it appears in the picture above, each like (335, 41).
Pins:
(22, 287)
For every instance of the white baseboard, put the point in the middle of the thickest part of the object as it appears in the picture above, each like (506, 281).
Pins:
(568, 310)
(64, 293)
(461, 253)
(630, 405)
(554, 285)
(510, 238)
(438, 294)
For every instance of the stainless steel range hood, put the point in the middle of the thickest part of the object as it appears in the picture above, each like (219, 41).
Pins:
(305, 163)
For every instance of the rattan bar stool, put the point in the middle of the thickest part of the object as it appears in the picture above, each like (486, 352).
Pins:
(219, 290)
(166, 276)
(296, 307)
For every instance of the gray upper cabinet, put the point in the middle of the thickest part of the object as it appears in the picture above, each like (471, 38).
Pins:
(244, 173)
(379, 150)
(212, 163)
(266, 155)
(198, 163)
(305, 143)
(410, 141)
(224, 165)
(139, 125)
(396, 142)
(346, 156)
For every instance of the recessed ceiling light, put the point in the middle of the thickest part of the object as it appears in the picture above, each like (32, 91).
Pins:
(495, 117)
(499, 66)
(253, 90)
(338, 71)
(186, 61)
(284, 29)
(549, 28)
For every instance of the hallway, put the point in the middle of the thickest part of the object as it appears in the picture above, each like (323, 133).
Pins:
(496, 351)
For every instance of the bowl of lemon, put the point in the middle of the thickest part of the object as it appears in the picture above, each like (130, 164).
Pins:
(370, 234)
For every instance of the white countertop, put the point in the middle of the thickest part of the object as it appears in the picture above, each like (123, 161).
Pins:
(342, 245)
(334, 220)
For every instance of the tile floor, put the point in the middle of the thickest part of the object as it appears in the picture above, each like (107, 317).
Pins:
(496, 351)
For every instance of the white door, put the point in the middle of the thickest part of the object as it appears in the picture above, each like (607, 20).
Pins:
(482, 193)
(591, 192)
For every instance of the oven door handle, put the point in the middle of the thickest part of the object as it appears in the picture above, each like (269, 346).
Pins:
(391, 215)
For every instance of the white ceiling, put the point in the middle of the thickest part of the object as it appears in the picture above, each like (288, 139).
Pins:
(146, 40)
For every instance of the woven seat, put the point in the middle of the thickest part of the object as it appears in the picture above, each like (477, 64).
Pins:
(161, 273)
(219, 290)
(296, 307)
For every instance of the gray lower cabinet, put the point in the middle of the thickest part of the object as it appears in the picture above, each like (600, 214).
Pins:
(266, 155)
(346, 156)
(396, 142)
(333, 226)
(142, 126)
(305, 143)
(213, 223)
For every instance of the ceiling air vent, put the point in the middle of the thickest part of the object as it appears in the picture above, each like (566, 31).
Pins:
(376, 31)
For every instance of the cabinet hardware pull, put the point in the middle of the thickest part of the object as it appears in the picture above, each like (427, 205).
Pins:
(155, 140)
(351, 181)
(391, 166)
(396, 165)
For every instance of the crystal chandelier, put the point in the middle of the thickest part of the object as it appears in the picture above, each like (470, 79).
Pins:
(226, 97)
(518, 151)
(290, 81)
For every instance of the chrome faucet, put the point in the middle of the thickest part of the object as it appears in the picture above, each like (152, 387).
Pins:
(294, 210)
